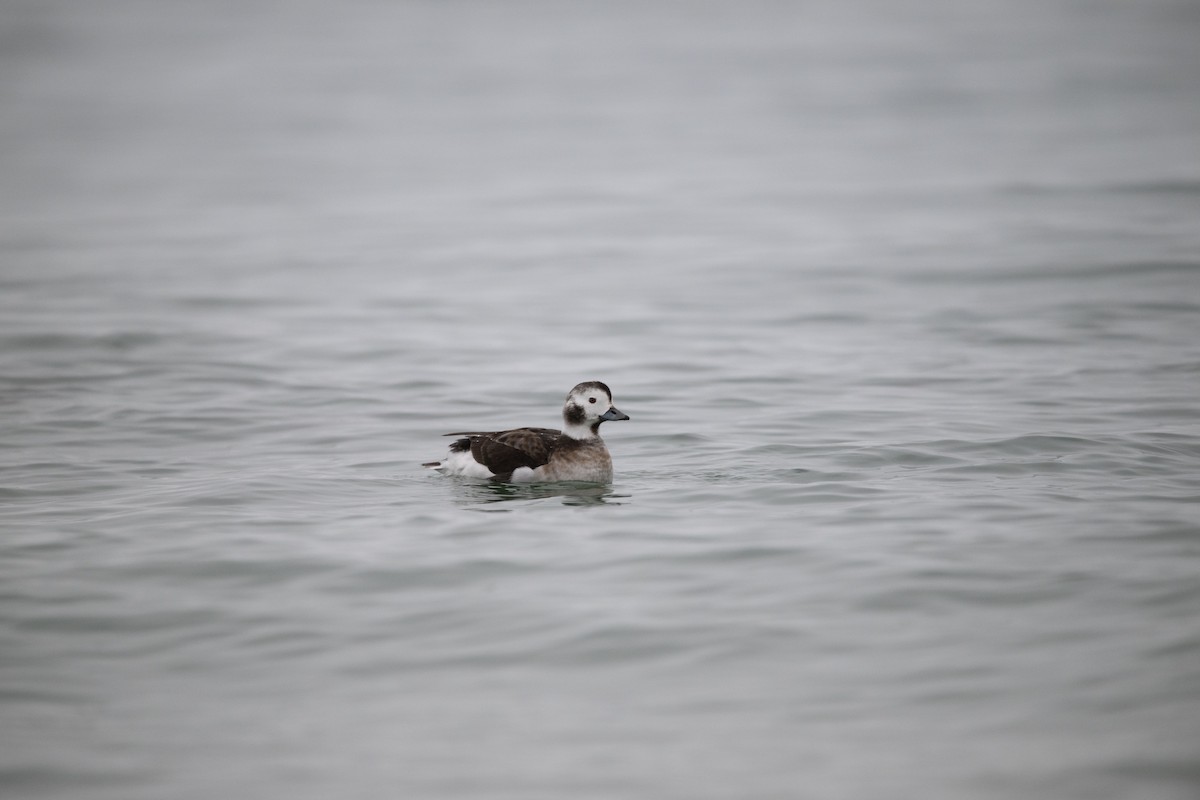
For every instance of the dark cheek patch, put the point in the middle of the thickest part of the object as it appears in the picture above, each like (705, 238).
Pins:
(574, 415)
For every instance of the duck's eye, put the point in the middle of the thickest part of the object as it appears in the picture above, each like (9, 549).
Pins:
(591, 399)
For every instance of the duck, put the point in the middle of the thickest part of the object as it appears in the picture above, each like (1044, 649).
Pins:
(541, 455)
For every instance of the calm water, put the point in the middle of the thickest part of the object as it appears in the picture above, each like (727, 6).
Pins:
(904, 306)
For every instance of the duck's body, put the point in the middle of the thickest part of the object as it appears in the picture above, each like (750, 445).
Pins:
(534, 455)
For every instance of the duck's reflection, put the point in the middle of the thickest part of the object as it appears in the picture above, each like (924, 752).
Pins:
(476, 493)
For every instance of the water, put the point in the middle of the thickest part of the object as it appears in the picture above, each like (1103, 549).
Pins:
(904, 305)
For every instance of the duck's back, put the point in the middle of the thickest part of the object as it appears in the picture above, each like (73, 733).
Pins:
(502, 452)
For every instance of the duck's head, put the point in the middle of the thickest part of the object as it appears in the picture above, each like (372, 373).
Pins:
(588, 405)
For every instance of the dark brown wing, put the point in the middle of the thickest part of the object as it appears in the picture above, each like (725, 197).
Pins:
(504, 451)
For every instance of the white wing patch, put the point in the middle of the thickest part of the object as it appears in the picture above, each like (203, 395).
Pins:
(523, 475)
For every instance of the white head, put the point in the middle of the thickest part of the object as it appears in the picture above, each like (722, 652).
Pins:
(586, 407)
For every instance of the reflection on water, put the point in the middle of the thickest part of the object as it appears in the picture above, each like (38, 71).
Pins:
(468, 492)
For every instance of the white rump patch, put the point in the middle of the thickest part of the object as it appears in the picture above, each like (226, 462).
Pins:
(463, 464)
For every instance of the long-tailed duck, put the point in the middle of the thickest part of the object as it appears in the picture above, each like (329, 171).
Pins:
(529, 455)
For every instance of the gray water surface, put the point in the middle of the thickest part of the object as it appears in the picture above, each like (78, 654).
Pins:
(904, 304)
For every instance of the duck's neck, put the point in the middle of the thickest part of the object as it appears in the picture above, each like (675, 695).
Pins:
(581, 433)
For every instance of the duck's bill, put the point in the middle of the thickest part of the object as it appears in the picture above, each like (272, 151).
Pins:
(613, 413)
